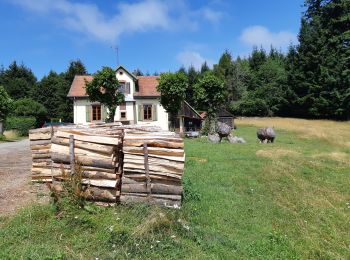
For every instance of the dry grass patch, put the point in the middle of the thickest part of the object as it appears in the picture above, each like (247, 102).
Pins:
(334, 132)
(340, 157)
(198, 159)
(277, 153)
(155, 221)
(11, 135)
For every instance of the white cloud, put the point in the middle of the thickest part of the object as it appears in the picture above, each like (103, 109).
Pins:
(211, 15)
(261, 36)
(192, 58)
(144, 15)
(89, 19)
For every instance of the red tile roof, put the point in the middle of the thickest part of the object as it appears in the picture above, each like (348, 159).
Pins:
(147, 86)
(77, 88)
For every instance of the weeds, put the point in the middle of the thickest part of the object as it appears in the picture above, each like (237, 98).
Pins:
(68, 192)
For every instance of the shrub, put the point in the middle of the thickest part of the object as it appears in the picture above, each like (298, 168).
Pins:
(20, 124)
(28, 107)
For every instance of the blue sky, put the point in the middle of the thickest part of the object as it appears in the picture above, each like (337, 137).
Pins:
(153, 35)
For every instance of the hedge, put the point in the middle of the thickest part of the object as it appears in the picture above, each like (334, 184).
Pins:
(20, 124)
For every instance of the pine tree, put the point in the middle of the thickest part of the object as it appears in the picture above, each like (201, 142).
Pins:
(137, 72)
(225, 70)
(320, 73)
(65, 109)
(192, 75)
(46, 93)
(18, 80)
(204, 68)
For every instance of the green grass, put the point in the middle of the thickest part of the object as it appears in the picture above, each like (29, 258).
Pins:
(288, 200)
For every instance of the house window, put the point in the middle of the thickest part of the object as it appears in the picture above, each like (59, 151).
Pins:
(147, 112)
(124, 87)
(122, 115)
(96, 112)
(122, 106)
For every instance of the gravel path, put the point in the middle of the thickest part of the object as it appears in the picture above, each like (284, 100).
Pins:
(16, 190)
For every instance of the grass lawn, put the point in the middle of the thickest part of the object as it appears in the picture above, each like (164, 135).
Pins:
(288, 200)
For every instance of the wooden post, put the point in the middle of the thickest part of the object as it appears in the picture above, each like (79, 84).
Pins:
(52, 178)
(148, 179)
(71, 154)
(51, 131)
(181, 118)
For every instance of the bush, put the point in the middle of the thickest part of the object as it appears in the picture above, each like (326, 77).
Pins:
(21, 124)
(28, 107)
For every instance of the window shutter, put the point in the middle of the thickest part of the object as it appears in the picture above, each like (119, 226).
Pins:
(104, 113)
(127, 91)
(154, 112)
(140, 108)
(88, 109)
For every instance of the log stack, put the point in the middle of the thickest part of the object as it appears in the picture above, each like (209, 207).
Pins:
(117, 163)
(153, 167)
(40, 145)
(99, 156)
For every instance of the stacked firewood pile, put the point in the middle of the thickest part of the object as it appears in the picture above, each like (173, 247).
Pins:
(117, 163)
(153, 167)
(40, 145)
(97, 150)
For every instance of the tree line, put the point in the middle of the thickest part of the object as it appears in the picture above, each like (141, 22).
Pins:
(45, 99)
(311, 80)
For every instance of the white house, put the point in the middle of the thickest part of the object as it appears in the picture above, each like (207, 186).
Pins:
(141, 101)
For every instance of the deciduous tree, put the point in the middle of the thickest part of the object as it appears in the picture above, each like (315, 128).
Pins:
(104, 88)
(210, 95)
(5, 104)
(172, 88)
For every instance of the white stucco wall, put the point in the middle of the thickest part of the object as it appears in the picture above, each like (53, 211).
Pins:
(80, 110)
(162, 115)
(129, 112)
(127, 78)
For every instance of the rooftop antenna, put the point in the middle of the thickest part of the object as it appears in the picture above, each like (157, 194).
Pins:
(116, 49)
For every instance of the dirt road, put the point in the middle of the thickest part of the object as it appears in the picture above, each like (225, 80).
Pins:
(16, 190)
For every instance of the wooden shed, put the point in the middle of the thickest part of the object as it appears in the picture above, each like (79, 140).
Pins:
(223, 116)
(226, 117)
(188, 119)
